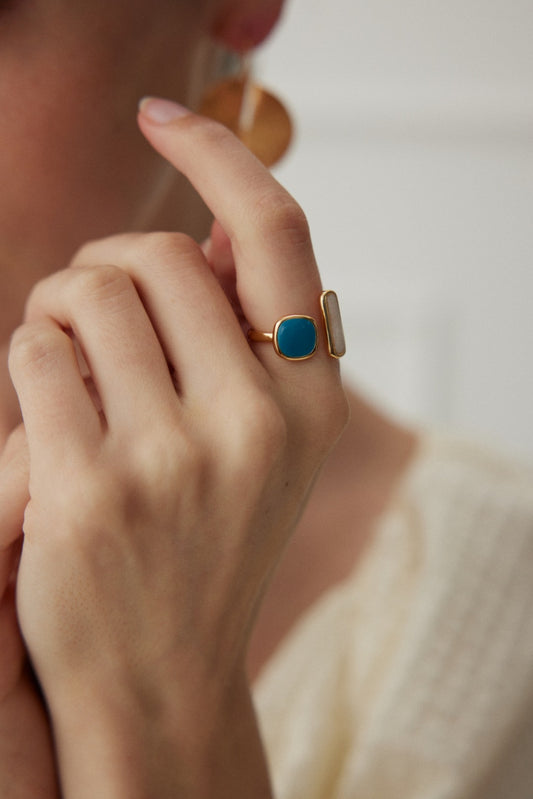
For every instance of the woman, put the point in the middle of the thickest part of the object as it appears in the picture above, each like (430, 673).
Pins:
(162, 498)
(241, 456)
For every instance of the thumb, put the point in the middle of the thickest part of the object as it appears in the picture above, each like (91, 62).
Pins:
(14, 496)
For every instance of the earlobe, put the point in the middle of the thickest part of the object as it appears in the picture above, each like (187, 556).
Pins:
(241, 25)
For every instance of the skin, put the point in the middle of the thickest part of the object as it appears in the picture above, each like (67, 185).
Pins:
(107, 536)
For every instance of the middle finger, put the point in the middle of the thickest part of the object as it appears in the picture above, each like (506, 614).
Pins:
(125, 359)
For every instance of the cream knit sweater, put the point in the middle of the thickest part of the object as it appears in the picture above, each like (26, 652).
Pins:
(414, 678)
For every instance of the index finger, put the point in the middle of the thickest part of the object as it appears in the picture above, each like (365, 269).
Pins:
(276, 268)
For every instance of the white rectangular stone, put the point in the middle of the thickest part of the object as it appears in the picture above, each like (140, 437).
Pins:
(333, 322)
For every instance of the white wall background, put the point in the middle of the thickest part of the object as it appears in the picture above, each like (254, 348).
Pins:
(414, 163)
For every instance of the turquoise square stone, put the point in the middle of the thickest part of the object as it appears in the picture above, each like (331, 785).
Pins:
(296, 337)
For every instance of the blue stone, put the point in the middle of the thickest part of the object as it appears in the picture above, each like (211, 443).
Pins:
(296, 337)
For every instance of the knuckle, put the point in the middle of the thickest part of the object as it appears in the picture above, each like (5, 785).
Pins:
(36, 299)
(34, 345)
(85, 254)
(212, 133)
(105, 284)
(165, 248)
(91, 251)
(280, 214)
(162, 465)
(101, 280)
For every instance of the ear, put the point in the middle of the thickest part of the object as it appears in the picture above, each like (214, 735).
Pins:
(243, 24)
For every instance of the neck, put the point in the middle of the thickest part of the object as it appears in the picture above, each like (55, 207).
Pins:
(373, 448)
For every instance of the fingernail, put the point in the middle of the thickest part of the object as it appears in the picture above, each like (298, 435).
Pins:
(161, 111)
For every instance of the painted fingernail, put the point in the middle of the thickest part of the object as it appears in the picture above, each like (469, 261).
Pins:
(161, 111)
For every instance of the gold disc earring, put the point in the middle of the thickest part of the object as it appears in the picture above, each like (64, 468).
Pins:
(256, 117)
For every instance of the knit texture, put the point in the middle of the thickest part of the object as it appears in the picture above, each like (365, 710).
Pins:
(413, 679)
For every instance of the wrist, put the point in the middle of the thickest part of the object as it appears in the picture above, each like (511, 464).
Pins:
(120, 738)
(189, 738)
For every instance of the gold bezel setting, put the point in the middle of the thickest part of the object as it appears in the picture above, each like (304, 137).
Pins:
(329, 303)
(276, 337)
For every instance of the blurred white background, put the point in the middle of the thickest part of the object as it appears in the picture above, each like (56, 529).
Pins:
(414, 163)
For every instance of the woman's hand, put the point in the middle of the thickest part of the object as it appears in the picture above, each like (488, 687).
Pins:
(158, 513)
(27, 763)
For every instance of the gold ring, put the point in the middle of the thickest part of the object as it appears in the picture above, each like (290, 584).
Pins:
(295, 337)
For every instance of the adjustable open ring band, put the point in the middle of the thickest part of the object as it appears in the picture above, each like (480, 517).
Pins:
(295, 337)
